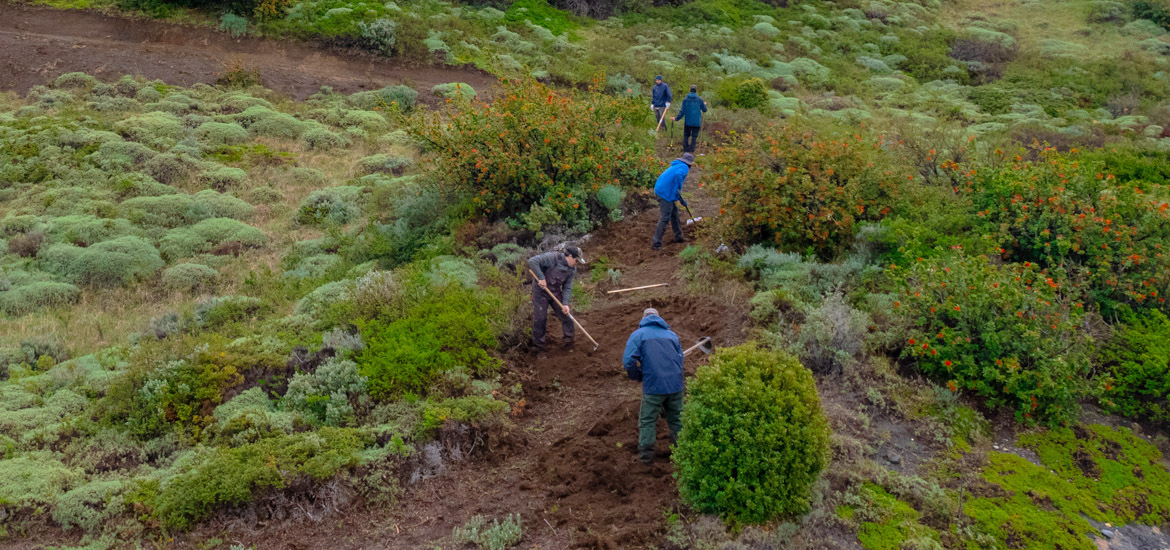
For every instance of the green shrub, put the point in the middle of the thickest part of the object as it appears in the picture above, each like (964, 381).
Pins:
(117, 262)
(206, 235)
(35, 481)
(497, 535)
(333, 205)
(86, 230)
(75, 81)
(397, 96)
(1076, 220)
(188, 277)
(1002, 332)
(154, 128)
(801, 191)
(385, 164)
(230, 476)
(115, 156)
(170, 211)
(751, 93)
(216, 311)
(91, 504)
(318, 302)
(250, 416)
(322, 139)
(233, 24)
(1137, 378)
(1157, 11)
(219, 134)
(222, 178)
(448, 328)
(781, 442)
(380, 35)
(502, 159)
(326, 395)
(454, 91)
(1107, 11)
(169, 168)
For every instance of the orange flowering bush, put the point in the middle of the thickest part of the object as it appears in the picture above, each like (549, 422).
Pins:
(799, 191)
(534, 146)
(1082, 225)
(1003, 332)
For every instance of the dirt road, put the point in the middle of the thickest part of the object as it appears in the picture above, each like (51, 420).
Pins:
(38, 44)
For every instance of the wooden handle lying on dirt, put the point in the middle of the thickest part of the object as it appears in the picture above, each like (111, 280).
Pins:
(636, 288)
(558, 302)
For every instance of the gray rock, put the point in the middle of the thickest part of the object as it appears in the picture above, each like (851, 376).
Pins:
(893, 457)
(1107, 533)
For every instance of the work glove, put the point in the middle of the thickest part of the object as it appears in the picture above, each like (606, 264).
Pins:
(651, 106)
(682, 201)
(668, 105)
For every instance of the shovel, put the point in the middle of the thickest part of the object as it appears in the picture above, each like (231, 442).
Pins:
(704, 345)
(575, 322)
(692, 220)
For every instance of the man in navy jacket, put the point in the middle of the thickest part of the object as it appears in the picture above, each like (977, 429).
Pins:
(659, 99)
(692, 109)
(654, 357)
(668, 189)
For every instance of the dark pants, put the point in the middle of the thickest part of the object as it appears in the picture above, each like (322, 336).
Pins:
(540, 306)
(690, 138)
(658, 115)
(667, 212)
(669, 405)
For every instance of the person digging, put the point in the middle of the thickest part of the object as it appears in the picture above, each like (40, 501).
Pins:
(659, 100)
(668, 189)
(554, 271)
(654, 357)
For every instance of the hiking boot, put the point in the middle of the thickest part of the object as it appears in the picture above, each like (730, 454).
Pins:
(646, 457)
(567, 346)
(655, 247)
(679, 240)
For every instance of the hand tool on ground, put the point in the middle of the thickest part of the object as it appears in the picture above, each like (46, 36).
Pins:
(636, 288)
(692, 220)
(575, 322)
(671, 134)
(703, 345)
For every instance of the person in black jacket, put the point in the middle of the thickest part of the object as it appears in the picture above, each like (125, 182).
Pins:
(554, 271)
(692, 110)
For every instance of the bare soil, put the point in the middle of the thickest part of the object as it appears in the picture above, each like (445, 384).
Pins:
(38, 44)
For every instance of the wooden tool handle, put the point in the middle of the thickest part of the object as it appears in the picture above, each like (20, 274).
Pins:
(637, 288)
(560, 305)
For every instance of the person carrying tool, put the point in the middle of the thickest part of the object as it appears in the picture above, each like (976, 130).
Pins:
(692, 109)
(654, 357)
(554, 271)
(659, 99)
(668, 189)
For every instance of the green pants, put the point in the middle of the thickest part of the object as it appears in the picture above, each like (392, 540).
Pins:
(671, 405)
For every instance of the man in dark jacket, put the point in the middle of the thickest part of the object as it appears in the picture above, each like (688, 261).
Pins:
(668, 189)
(659, 99)
(654, 357)
(692, 110)
(554, 271)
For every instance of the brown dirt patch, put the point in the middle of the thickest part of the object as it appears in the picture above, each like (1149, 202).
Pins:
(38, 44)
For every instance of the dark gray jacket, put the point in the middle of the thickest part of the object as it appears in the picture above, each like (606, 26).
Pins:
(541, 263)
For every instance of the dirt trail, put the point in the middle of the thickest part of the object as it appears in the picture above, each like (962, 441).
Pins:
(38, 44)
(571, 471)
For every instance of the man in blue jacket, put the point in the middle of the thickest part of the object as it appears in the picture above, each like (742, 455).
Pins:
(692, 110)
(654, 357)
(668, 189)
(659, 99)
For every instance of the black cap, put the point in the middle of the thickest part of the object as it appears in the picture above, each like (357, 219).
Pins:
(574, 252)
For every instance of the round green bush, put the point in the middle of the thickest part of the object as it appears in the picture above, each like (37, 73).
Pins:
(204, 236)
(218, 134)
(116, 262)
(33, 296)
(754, 439)
(751, 93)
(223, 177)
(322, 139)
(188, 277)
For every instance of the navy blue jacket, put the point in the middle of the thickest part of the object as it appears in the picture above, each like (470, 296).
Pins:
(661, 95)
(670, 183)
(693, 108)
(654, 356)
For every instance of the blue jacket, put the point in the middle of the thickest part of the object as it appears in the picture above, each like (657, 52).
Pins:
(654, 356)
(693, 108)
(670, 183)
(661, 95)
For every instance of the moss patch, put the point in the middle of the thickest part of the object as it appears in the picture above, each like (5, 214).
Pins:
(887, 523)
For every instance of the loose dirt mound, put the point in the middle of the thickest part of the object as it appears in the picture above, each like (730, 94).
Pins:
(38, 44)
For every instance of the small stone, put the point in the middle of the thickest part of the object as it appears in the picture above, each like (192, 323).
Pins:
(996, 447)
(893, 457)
(1107, 533)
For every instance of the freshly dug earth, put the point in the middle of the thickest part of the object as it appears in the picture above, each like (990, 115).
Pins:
(571, 471)
(39, 44)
